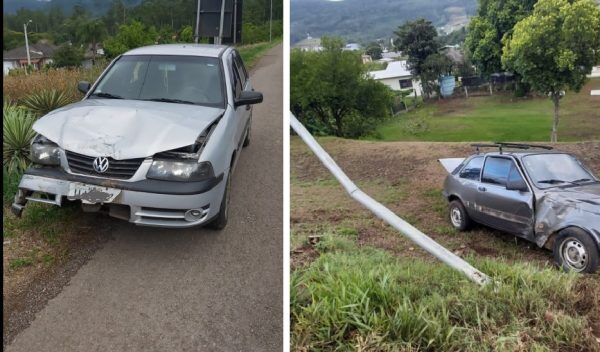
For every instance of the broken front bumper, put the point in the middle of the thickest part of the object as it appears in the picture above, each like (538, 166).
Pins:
(145, 202)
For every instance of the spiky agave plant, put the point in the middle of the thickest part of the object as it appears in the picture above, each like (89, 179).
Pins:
(45, 101)
(17, 134)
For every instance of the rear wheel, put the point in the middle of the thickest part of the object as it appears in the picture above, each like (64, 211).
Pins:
(458, 216)
(575, 250)
(220, 221)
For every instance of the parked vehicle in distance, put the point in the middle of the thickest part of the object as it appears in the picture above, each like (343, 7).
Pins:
(154, 141)
(547, 197)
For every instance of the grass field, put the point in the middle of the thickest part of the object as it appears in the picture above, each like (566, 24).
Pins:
(498, 118)
(357, 284)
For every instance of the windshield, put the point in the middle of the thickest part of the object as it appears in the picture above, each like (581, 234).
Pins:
(551, 170)
(176, 79)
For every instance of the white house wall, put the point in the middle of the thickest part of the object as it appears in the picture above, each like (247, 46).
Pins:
(394, 84)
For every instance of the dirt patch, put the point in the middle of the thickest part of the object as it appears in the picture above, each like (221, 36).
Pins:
(407, 178)
(54, 261)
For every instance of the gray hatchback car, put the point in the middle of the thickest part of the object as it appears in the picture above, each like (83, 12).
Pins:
(545, 196)
(154, 141)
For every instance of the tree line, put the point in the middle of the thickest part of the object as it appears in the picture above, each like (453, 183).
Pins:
(163, 18)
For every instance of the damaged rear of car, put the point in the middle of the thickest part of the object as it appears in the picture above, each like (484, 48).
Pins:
(545, 196)
(154, 141)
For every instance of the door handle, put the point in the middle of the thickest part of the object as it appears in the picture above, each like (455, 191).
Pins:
(248, 107)
(481, 188)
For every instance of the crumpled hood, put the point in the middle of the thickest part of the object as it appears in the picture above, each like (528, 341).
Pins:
(586, 197)
(125, 129)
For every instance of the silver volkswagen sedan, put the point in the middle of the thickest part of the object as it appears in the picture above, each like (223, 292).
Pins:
(154, 141)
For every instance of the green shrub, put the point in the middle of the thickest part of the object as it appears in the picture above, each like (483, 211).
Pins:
(45, 101)
(16, 136)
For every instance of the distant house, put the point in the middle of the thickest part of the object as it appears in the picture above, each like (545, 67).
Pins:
(40, 55)
(309, 44)
(398, 77)
(595, 72)
(88, 56)
(352, 47)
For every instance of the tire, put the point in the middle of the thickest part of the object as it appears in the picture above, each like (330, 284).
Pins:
(220, 220)
(247, 139)
(459, 218)
(575, 250)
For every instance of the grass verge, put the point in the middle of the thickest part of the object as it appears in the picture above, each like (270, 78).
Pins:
(368, 300)
(251, 53)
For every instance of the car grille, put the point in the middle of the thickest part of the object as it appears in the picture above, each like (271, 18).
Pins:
(121, 169)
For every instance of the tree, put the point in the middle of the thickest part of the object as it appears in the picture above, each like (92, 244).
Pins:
(186, 35)
(92, 32)
(495, 19)
(435, 65)
(331, 93)
(555, 48)
(67, 56)
(374, 50)
(129, 37)
(417, 39)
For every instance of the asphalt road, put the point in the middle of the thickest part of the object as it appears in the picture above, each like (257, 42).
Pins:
(187, 290)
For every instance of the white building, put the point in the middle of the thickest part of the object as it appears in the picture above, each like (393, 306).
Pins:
(398, 77)
(309, 44)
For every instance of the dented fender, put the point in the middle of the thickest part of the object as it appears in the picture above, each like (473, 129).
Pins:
(559, 209)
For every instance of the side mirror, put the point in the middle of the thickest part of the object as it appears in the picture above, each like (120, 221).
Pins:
(517, 184)
(83, 86)
(249, 98)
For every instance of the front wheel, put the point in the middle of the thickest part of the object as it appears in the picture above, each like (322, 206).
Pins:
(575, 250)
(458, 216)
(220, 221)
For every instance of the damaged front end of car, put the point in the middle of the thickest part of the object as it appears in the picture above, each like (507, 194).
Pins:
(171, 188)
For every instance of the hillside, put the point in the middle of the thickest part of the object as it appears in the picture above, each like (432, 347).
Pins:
(96, 7)
(363, 21)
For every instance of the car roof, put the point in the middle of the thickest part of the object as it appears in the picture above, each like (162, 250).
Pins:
(521, 153)
(191, 49)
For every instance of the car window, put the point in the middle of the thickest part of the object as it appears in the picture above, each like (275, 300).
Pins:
(236, 80)
(193, 79)
(496, 170)
(239, 65)
(514, 175)
(472, 170)
(552, 170)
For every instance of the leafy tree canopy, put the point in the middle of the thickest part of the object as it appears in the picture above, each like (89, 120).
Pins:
(67, 56)
(555, 48)
(129, 37)
(417, 39)
(495, 19)
(374, 50)
(331, 93)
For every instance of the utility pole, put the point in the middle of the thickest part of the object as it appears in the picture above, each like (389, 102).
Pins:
(271, 21)
(27, 45)
(197, 32)
(221, 24)
(234, 21)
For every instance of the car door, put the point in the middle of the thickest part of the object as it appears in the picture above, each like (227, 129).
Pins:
(468, 180)
(508, 210)
(240, 84)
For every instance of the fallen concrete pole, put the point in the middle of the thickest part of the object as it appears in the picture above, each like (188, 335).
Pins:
(414, 234)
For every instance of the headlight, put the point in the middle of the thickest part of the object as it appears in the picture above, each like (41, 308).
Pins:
(180, 170)
(44, 151)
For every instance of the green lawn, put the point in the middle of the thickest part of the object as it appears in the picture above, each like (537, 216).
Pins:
(498, 118)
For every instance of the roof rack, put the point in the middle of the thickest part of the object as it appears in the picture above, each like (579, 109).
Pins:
(502, 145)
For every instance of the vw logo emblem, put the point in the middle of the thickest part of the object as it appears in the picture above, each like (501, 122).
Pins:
(100, 164)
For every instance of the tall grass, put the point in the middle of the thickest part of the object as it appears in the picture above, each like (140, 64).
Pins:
(368, 300)
(18, 87)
